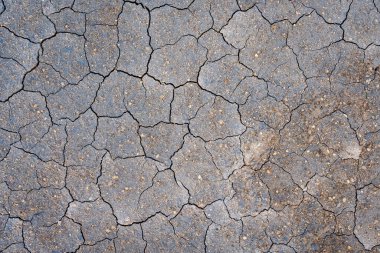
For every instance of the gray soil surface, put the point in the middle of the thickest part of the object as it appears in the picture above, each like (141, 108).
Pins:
(189, 126)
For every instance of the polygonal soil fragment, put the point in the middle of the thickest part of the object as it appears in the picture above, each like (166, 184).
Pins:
(52, 145)
(367, 216)
(224, 236)
(96, 219)
(99, 12)
(221, 12)
(216, 46)
(101, 48)
(27, 20)
(254, 237)
(162, 141)
(80, 134)
(217, 120)
(23, 171)
(188, 99)
(11, 231)
(134, 40)
(81, 182)
(337, 134)
(110, 98)
(44, 79)
(65, 52)
(43, 207)
(257, 144)
(160, 236)
(169, 24)
(334, 196)
(64, 236)
(226, 154)
(194, 168)
(70, 21)
(165, 195)
(178, 63)
(251, 195)
(105, 246)
(73, 100)
(191, 224)
(241, 26)
(119, 136)
(152, 104)
(223, 77)
(274, 114)
(11, 75)
(217, 212)
(312, 33)
(130, 238)
(363, 24)
(26, 113)
(18, 49)
(282, 189)
(122, 182)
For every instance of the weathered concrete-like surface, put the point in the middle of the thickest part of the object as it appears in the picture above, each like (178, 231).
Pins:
(189, 126)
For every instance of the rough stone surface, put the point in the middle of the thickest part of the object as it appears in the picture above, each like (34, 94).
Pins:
(189, 126)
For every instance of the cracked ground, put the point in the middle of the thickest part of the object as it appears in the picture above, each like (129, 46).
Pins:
(189, 126)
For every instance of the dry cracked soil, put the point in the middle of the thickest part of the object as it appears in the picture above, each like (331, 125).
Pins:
(189, 126)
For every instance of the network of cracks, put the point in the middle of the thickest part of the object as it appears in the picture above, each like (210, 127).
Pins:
(189, 126)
